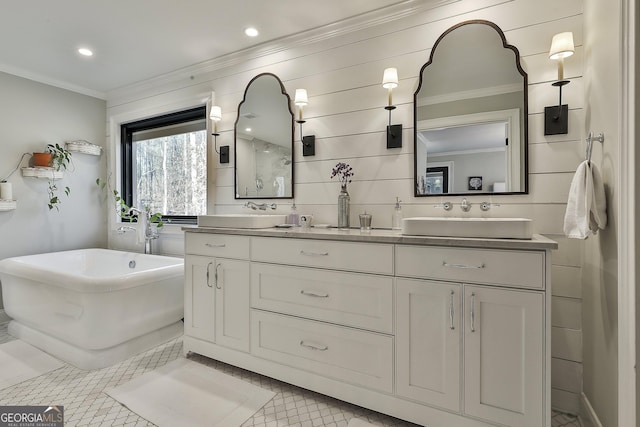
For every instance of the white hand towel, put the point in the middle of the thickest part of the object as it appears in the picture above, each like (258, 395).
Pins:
(587, 205)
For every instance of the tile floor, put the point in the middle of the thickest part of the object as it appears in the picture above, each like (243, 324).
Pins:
(85, 403)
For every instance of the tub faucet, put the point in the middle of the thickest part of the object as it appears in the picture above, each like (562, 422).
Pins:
(261, 206)
(144, 219)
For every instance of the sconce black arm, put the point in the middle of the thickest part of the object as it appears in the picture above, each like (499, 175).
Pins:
(308, 142)
(556, 118)
(394, 132)
(224, 150)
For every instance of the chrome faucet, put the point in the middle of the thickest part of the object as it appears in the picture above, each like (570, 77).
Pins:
(144, 220)
(261, 206)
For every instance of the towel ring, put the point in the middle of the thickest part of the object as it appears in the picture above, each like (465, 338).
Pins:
(590, 139)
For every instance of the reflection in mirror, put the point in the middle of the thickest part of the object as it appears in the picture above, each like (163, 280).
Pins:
(470, 112)
(264, 141)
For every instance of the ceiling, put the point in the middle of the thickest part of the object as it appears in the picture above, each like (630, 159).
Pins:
(134, 40)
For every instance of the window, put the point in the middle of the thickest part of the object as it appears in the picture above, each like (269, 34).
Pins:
(164, 165)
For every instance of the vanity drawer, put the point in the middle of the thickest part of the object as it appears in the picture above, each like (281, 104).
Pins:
(519, 269)
(350, 355)
(353, 299)
(350, 256)
(217, 245)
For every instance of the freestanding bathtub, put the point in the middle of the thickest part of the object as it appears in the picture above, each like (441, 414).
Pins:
(93, 307)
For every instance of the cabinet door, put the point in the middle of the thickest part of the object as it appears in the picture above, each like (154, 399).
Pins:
(428, 339)
(199, 297)
(504, 356)
(231, 282)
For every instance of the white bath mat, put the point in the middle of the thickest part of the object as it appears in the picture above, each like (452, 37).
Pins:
(357, 422)
(187, 393)
(20, 362)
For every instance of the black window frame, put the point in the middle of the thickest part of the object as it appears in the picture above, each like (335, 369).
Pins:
(128, 129)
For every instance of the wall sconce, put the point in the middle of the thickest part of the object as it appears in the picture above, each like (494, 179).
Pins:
(556, 118)
(309, 141)
(216, 115)
(394, 132)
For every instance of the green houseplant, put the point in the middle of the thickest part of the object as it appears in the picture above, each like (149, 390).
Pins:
(60, 161)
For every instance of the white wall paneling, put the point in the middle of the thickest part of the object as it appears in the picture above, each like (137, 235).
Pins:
(343, 78)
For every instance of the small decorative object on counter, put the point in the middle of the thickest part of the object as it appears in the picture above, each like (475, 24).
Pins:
(365, 222)
(344, 172)
(396, 217)
(293, 218)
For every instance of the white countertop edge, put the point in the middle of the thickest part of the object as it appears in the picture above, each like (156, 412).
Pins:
(537, 242)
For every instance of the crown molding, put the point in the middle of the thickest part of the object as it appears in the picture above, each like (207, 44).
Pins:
(39, 78)
(340, 28)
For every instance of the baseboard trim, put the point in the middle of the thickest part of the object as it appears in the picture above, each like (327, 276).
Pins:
(3, 316)
(591, 418)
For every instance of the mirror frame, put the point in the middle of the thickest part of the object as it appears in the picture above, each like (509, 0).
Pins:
(525, 124)
(235, 138)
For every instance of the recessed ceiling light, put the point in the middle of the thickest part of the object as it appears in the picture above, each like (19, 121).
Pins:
(85, 52)
(248, 130)
(251, 32)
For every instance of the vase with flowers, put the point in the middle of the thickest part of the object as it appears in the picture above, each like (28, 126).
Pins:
(344, 172)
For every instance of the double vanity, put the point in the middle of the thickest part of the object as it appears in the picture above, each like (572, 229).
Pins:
(439, 331)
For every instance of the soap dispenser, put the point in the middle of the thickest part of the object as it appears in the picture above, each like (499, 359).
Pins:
(293, 218)
(396, 218)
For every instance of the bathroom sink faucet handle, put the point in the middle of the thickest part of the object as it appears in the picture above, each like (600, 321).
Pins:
(465, 205)
(447, 206)
(484, 206)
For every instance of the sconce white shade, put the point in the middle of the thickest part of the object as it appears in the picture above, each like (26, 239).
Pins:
(390, 78)
(562, 46)
(301, 98)
(216, 113)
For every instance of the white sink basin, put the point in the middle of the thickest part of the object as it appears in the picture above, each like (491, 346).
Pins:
(241, 220)
(489, 228)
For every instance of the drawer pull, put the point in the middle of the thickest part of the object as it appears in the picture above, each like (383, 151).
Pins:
(446, 264)
(305, 253)
(473, 312)
(313, 294)
(208, 283)
(451, 313)
(314, 346)
(215, 245)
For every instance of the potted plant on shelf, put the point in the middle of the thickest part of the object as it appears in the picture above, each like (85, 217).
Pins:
(60, 161)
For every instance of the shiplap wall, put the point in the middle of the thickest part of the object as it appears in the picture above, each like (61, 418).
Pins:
(342, 75)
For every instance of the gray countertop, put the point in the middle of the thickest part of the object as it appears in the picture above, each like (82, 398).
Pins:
(538, 242)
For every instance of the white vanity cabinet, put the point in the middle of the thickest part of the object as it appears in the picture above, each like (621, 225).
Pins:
(441, 332)
(217, 289)
(428, 342)
(504, 355)
(496, 327)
